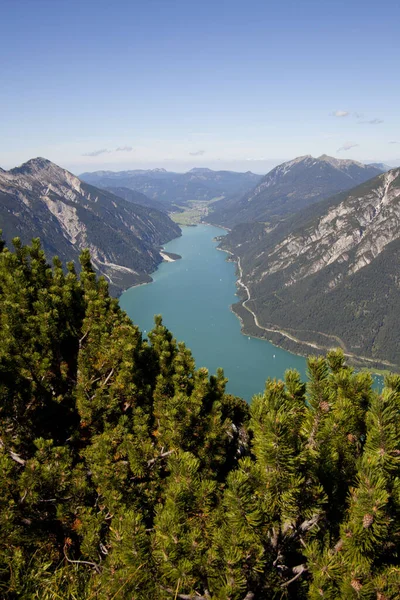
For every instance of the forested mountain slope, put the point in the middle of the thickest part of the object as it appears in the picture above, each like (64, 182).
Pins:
(175, 189)
(136, 198)
(126, 473)
(290, 187)
(41, 199)
(333, 269)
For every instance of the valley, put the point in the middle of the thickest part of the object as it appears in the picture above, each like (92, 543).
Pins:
(199, 300)
(194, 296)
(176, 190)
(194, 212)
(298, 256)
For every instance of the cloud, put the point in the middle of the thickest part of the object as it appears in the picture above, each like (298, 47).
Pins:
(394, 142)
(197, 153)
(97, 152)
(347, 146)
(345, 113)
(372, 121)
(108, 151)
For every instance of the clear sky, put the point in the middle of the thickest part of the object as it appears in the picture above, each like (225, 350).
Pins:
(101, 84)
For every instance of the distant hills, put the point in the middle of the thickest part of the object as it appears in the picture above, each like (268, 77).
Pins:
(382, 166)
(176, 189)
(290, 187)
(328, 275)
(40, 199)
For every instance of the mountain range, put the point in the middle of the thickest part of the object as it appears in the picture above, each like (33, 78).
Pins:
(40, 199)
(318, 261)
(328, 275)
(173, 190)
(290, 187)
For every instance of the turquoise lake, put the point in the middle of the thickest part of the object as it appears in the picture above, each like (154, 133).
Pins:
(194, 296)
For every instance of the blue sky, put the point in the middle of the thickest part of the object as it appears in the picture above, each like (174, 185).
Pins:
(96, 84)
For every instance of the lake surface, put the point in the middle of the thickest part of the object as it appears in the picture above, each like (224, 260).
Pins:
(194, 296)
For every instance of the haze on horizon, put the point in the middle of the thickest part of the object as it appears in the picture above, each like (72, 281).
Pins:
(174, 84)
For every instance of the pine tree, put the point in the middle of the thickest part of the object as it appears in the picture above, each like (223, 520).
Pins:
(125, 472)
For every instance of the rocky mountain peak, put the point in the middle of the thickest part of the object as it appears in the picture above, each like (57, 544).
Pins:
(292, 186)
(32, 166)
(295, 161)
(42, 171)
(341, 163)
(40, 199)
(331, 160)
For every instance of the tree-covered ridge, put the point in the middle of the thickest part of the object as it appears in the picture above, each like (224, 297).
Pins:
(128, 473)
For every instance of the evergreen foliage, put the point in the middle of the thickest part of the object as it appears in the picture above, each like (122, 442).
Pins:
(126, 473)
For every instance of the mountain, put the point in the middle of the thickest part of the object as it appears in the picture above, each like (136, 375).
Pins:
(200, 170)
(40, 199)
(382, 166)
(175, 189)
(290, 187)
(328, 276)
(136, 198)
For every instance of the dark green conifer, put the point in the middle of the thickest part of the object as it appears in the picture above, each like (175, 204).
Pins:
(125, 472)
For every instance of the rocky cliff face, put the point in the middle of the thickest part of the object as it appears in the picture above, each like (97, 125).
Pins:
(352, 233)
(332, 277)
(291, 187)
(40, 199)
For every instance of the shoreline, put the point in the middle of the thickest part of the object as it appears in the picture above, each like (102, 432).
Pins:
(213, 225)
(278, 337)
(359, 360)
(166, 258)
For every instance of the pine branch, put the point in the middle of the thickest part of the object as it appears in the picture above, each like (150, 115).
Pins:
(162, 455)
(197, 596)
(95, 566)
(299, 570)
(108, 377)
(12, 454)
(185, 596)
(83, 339)
(306, 525)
